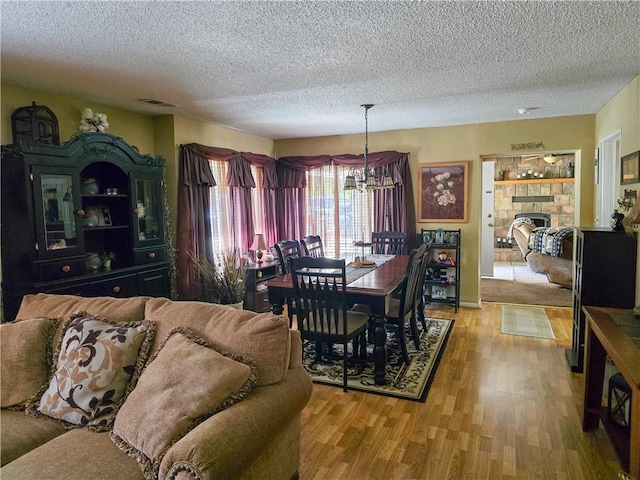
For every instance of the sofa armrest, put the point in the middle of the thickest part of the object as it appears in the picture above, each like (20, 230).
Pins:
(225, 445)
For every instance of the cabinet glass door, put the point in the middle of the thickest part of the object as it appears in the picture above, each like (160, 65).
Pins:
(148, 211)
(55, 214)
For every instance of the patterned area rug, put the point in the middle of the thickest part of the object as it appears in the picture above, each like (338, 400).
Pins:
(407, 382)
(525, 321)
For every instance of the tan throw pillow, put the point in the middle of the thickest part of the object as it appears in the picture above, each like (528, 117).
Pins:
(185, 382)
(97, 364)
(25, 359)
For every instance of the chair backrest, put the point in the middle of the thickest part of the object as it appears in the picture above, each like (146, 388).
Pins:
(286, 250)
(411, 281)
(423, 271)
(389, 243)
(312, 245)
(319, 290)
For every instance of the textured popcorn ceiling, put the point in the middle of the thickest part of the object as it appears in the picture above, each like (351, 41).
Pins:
(298, 69)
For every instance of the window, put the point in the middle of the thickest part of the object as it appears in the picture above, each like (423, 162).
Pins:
(339, 217)
(220, 197)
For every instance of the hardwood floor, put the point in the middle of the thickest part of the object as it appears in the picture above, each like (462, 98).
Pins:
(500, 407)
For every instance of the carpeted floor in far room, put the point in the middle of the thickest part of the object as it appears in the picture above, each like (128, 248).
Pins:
(517, 283)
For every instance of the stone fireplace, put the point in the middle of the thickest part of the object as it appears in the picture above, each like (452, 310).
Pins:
(542, 190)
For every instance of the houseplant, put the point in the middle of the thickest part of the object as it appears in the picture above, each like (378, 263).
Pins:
(222, 279)
(106, 258)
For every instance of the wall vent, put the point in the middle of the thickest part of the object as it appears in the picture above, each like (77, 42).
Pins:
(158, 103)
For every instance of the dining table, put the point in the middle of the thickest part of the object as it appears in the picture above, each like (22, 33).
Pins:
(373, 288)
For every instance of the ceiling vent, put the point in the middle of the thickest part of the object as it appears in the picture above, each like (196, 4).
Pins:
(157, 103)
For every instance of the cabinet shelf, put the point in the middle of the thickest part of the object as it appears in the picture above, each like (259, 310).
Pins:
(106, 227)
(256, 295)
(447, 241)
(436, 282)
(104, 195)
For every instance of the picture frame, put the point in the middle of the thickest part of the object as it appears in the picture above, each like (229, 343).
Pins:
(103, 214)
(248, 259)
(444, 192)
(630, 168)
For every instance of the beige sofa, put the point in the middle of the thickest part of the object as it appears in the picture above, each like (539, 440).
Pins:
(558, 268)
(256, 438)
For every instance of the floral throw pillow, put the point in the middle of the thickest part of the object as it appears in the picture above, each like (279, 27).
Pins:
(97, 365)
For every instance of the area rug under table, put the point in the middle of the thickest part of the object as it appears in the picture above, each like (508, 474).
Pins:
(525, 321)
(407, 382)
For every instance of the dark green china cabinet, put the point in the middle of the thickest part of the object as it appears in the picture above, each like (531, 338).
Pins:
(69, 209)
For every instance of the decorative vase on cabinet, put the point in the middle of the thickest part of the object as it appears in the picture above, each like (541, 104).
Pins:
(616, 221)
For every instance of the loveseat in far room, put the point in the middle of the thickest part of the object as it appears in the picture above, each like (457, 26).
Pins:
(214, 392)
(547, 250)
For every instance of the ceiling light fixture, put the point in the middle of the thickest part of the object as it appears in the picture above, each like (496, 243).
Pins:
(365, 179)
(552, 158)
(527, 110)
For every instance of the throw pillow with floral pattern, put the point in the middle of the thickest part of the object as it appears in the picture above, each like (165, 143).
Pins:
(97, 364)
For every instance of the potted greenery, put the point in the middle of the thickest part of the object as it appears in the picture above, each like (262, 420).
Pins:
(106, 258)
(222, 279)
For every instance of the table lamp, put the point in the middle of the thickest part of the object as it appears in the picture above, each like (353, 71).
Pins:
(258, 245)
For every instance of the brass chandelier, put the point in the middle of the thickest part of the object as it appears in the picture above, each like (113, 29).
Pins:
(365, 178)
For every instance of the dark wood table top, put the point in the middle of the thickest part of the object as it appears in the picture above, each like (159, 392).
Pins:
(380, 282)
(618, 331)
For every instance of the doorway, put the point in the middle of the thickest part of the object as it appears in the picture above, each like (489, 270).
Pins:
(513, 186)
(607, 175)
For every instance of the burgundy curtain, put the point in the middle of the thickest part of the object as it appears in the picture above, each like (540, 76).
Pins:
(194, 227)
(393, 208)
(290, 202)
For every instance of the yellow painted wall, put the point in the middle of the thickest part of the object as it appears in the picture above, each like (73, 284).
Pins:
(164, 134)
(171, 131)
(622, 113)
(157, 135)
(136, 129)
(472, 142)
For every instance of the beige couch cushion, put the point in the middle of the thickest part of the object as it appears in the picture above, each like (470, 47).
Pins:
(121, 310)
(21, 433)
(25, 359)
(182, 386)
(262, 337)
(97, 364)
(79, 454)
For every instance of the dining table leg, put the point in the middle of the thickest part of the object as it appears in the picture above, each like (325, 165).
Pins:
(277, 301)
(379, 349)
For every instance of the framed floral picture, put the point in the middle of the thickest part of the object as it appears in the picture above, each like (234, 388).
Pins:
(444, 191)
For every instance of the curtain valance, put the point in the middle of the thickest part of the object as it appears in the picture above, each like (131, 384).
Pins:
(239, 173)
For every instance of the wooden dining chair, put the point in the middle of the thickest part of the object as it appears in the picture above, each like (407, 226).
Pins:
(389, 243)
(312, 246)
(402, 308)
(286, 250)
(420, 299)
(319, 286)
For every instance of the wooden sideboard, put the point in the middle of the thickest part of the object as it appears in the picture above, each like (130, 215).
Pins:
(614, 332)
